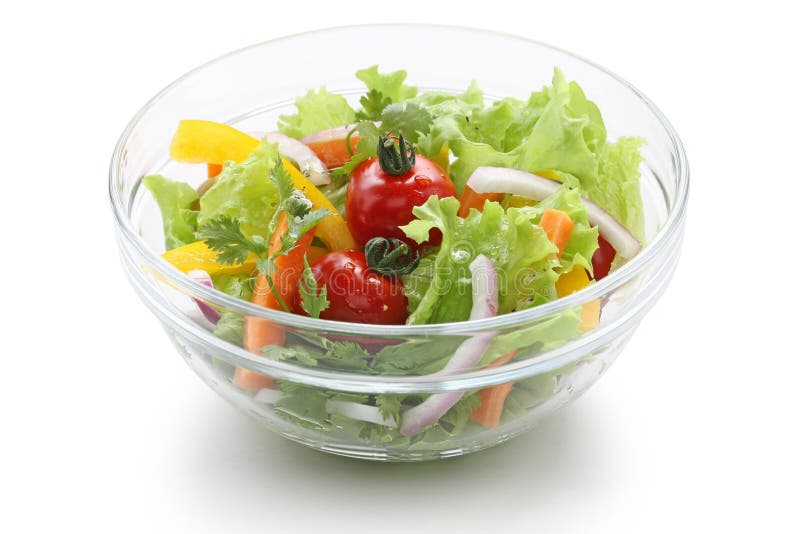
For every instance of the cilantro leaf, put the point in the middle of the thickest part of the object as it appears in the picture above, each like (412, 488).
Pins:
(346, 355)
(229, 327)
(418, 356)
(457, 417)
(313, 298)
(408, 118)
(300, 218)
(305, 405)
(389, 405)
(298, 353)
(224, 236)
(372, 105)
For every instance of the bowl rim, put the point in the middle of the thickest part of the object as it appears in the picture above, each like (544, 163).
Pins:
(180, 281)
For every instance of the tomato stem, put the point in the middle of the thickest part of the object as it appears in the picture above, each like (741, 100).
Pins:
(395, 162)
(390, 257)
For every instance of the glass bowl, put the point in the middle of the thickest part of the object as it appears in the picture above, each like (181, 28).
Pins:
(323, 405)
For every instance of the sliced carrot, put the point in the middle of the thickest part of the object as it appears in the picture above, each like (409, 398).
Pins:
(251, 380)
(213, 170)
(259, 332)
(333, 153)
(493, 398)
(470, 199)
(492, 401)
(558, 227)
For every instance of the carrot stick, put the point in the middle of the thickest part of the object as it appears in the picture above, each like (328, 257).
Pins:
(491, 409)
(493, 398)
(334, 153)
(470, 199)
(259, 332)
(558, 227)
(213, 170)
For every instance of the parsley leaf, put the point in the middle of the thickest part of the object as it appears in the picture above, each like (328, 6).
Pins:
(313, 298)
(224, 236)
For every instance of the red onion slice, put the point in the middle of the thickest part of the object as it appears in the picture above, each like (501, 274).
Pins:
(533, 186)
(334, 134)
(484, 305)
(204, 278)
(305, 158)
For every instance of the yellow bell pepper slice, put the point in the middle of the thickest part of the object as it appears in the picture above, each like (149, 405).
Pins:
(575, 280)
(549, 174)
(198, 141)
(198, 256)
(332, 230)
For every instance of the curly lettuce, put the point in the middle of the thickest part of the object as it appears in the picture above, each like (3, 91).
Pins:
(557, 129)
(317, 111)
(243, 191)
(174, 199)
(519, 250)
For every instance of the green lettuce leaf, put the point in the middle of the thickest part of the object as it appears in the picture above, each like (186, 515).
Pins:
(417, 283)
(235, 285)
(317, 111)
(564, 134)
(174, 199)
(583, 239)
(617, 189)
(390, 85)
(544, 334)
(519, 250)
(244, 192)
(555, 129)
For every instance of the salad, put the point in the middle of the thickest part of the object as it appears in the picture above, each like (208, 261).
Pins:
(410, 208)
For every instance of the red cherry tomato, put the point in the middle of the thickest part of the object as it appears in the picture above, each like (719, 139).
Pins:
(602, 258)
(356, 293)
(378, 202)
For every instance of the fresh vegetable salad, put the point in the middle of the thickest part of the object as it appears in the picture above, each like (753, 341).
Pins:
(408, 208)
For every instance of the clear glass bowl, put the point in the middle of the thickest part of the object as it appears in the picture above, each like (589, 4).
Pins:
(249, 89)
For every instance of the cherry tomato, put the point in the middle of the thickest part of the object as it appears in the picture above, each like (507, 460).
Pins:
(380, 196)
(602, 258)
(356, 293)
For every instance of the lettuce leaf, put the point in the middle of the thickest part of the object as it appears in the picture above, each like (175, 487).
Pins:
(556, 129)
(519, 250)
(583, 239)
(317, 111)
(244, 192)
(617, 190)
(389, 85)
(174, 200)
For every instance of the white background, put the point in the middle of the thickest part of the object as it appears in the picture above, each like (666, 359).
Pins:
(693, 430)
